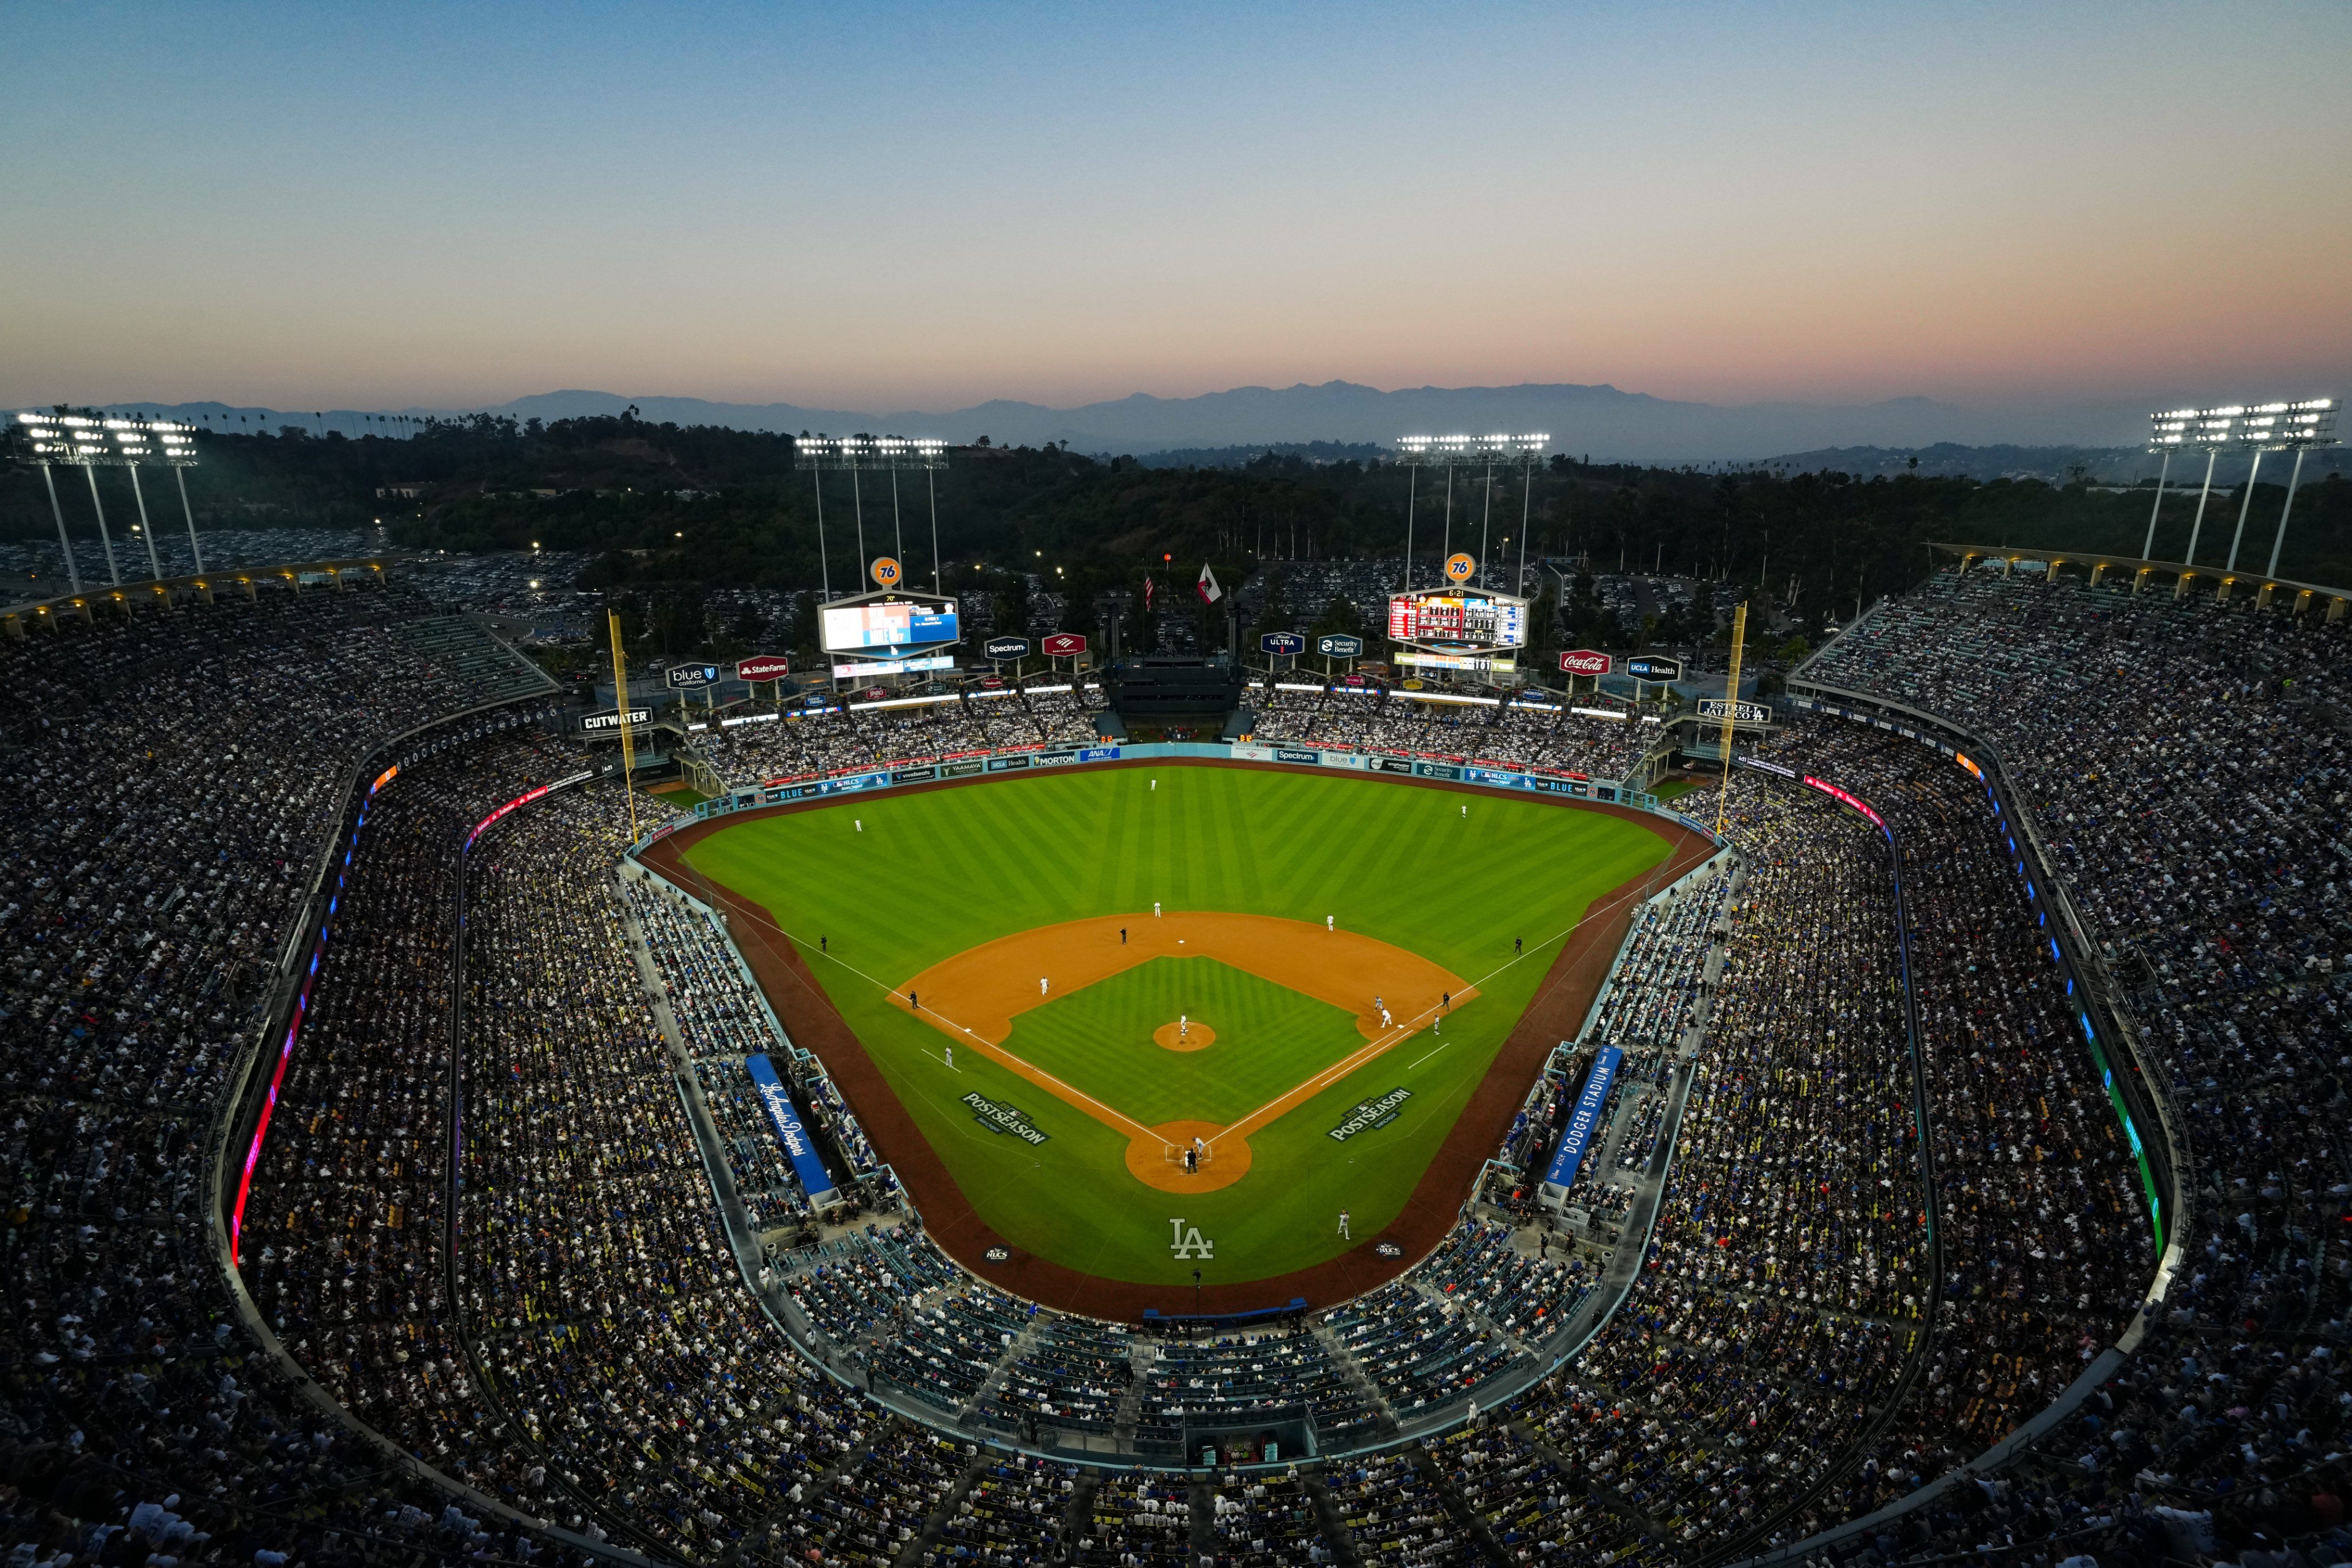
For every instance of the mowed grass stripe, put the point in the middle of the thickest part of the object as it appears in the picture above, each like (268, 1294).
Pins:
(956, 867)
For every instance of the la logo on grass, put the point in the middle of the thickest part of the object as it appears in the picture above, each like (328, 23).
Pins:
(1185, 1240)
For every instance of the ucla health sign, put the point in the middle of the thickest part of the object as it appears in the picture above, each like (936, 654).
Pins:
(789, 1130)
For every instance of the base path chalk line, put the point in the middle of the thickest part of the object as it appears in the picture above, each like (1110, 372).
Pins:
(1291, 1099)
(1070, 1095)
(1340, 967)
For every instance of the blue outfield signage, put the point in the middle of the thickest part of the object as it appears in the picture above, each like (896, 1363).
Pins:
(859, 781)
(913, 775)
(1586, 1119)
(1489, 776)
(1006, 763)
(789, 1131)
(1437, 770)
(1283, 754)
(1099, 754)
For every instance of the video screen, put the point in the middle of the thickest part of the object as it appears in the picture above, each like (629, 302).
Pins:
(1458, 619)
(894, 623)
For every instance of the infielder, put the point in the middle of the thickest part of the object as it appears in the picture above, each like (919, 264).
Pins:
(1041, 985)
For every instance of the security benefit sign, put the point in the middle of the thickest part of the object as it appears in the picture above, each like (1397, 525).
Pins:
(1370, 1115)
(999, 1116)
(790, 1131)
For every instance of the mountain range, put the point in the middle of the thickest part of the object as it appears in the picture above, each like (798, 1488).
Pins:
(1603, 423)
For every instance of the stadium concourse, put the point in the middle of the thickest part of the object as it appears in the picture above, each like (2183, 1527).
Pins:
(1859, 1265)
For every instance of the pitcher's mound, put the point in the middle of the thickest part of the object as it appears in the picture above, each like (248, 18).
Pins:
(1148, 1161)
(1195, 1037)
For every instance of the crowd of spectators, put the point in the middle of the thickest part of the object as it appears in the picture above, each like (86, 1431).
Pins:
(176, 777)
(1603, 740)
(1812, 1333)
(2186, 762)
(833, 735)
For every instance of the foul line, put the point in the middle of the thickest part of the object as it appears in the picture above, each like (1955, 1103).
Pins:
(1291, 1099)
(1076, 1098)
(1273, 1110)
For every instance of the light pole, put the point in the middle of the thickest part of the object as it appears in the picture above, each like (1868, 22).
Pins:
(2301, 425)
(893, 453)
(2257, 428)
(73, 572)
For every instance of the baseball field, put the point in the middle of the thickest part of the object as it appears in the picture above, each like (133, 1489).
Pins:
(1069, 980)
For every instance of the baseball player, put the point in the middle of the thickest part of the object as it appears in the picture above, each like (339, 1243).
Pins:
(950, 1055)
(1042, 985)
(1343, 1226)
(1326, 923)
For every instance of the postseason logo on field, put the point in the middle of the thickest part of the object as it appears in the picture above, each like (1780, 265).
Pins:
(998, 1116)
(1370, 1115)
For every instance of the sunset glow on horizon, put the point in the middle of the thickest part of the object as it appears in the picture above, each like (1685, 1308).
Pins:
(925, 206)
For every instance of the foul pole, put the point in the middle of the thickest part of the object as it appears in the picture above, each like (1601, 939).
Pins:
(1730, 713)
(621, 709)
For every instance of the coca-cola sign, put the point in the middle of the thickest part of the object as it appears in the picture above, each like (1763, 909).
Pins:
(763, 667)
(1584, 662)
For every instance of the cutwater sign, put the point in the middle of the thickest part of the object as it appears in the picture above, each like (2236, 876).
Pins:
(1280, 643)
(789, 1131)
(997, 1116)
(1369, 1115)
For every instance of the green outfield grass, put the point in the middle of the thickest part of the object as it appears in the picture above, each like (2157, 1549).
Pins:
(936, 873)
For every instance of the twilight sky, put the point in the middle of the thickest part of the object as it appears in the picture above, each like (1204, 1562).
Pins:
(924, 205)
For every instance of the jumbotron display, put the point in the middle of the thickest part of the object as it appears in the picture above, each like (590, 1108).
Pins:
(888, 622)
(1458, 619)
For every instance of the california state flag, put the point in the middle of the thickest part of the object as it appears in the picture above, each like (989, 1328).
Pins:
(1209, 590)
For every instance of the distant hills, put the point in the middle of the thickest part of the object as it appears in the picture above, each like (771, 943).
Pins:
(1603, 422)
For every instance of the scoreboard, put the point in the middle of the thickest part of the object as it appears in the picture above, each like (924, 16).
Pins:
(885, 622)
(1458, 618)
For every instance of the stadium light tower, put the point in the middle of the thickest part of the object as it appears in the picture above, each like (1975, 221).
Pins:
(1417, 452)
(90, 442)
(896, 453)
(2277, 427)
